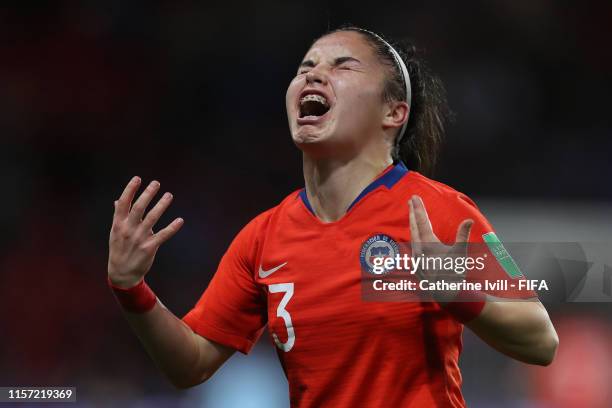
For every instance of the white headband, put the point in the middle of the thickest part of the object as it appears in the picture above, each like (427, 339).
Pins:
(400, 63)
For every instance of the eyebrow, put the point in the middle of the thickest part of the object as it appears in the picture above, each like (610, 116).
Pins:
(337, 61)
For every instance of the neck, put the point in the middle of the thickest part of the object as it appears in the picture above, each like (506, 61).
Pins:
(333, 184)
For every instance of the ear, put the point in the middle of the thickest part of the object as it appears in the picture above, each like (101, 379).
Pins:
(395, 114)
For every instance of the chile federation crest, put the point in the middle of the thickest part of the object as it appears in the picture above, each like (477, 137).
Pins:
(377, 246)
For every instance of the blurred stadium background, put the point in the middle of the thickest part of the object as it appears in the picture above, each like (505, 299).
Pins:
(192, 94)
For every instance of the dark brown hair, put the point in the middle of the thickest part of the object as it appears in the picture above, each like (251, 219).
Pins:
(429, 112)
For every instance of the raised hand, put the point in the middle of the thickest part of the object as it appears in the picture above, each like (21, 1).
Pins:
(132, 242)
(425, 242)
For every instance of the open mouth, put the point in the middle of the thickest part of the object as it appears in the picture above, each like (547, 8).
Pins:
(313, 106)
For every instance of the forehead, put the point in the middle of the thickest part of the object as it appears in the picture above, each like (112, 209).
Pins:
(343, 43)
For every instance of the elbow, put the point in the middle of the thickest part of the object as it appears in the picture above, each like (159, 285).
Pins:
(547, 349)
(547, 342)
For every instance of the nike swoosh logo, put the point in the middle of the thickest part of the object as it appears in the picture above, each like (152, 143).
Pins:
(265, 274)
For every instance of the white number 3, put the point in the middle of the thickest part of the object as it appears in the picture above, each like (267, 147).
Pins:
(286, 288)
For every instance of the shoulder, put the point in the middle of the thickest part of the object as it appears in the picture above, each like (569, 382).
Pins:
(446, 207)
(437, 193)
(260, 222)
(248, 243)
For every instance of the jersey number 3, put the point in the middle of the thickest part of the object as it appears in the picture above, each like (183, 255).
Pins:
(287, 289)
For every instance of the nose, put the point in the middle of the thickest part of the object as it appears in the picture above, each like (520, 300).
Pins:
(316, 76)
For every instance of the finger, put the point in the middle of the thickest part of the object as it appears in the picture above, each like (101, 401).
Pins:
(415, 237)
(165, 234)
(157, 211)
(122, 205)
(422, 219)
(142, 202)
(414, 228)
(463, 232)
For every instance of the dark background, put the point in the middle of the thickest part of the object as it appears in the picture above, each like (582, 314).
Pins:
(192, 94)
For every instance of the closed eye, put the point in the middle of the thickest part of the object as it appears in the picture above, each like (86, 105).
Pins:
(346, 62)
(343, 63)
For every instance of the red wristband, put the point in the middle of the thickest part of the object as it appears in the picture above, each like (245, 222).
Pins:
(466, 306)
(137, 299)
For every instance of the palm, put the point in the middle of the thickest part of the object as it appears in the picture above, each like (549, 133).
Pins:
(424, 242)
(132, 242)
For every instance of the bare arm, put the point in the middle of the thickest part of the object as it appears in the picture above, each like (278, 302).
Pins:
(185, 357)
(519, 329)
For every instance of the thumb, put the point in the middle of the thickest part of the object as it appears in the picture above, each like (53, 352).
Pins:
(463, 232)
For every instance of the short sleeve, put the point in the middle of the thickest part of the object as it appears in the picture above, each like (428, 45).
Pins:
(498, 263)
(232, 310)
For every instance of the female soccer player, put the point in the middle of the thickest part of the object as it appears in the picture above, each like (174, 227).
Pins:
(358, 110)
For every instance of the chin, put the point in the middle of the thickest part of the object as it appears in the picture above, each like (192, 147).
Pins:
(307, 138)
(309, 135)
(320, 146)
(312, 144)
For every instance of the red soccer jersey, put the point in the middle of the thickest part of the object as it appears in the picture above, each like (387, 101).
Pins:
(303, 278)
